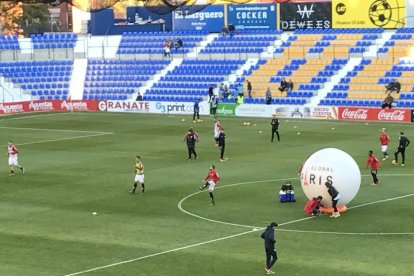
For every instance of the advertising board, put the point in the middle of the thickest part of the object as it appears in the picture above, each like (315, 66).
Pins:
(252, 16)
(387, 14)
(210, 19)
(48, 106)
(308, 15)
(374, 114)
(153, 107)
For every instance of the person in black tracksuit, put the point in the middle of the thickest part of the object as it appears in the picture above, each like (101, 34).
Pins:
(191, 137)
(196, 110)
(269, 241)
(335, 198)
(403, 143)
(275, 128)
(222, 144)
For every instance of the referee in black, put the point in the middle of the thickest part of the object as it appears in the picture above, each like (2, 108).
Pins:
(191, 137)
(222, 144)
(403, 143)
(269, 240)
(275, 128)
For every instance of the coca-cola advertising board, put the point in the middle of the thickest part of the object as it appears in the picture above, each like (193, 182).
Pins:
(48, 106)
(374, 114)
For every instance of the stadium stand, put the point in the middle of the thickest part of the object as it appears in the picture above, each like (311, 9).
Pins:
(54, 40)
(118, 79)
(190, 80)
(42, 79)
(244, 42)
(310, 58)
(133, 43)
(9, 42)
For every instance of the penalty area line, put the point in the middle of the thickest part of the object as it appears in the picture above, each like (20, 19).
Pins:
(61, 139)
(55, 130)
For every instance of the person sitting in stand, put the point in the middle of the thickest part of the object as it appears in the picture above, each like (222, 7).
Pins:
(397, 86)
(388, 101)
(289, 86)
(283, 85)
(178, 43)
(231, 30)
(167, 51)
(390, 87)
(224, 31)
(139, 97)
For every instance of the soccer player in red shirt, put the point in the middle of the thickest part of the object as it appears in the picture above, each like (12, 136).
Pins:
(373, 162)
(384, 140)
(210, 181)
(13, 157)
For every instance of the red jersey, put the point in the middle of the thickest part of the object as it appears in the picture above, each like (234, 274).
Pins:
(213, 176)
(384, 139)
(310, 205)
(373, 162)
(12, 150)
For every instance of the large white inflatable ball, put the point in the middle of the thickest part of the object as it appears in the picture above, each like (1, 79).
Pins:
(334, 166)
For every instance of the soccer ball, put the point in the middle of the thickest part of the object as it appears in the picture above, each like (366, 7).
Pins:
(380, 13)
(248, 123)
(245, 123)
(394, 162)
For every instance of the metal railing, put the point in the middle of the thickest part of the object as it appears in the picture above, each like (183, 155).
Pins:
(4, 91)
(85, 48)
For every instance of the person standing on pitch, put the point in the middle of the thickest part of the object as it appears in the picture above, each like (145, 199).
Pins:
(222, 144)
(275, 128)
(210, 181)
(374, 163)
(196, 111)
(216, 130)
(139, 175)
(335, 198)
(12, 152)
(191, 137)
(269, 241)
(384, 140)
(403, 143)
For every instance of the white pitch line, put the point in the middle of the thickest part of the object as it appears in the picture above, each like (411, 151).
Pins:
(345, 233)
(61, 139)
(56, 130)
(31, 116)
(255, 229)
(174, 250)
(179, 205)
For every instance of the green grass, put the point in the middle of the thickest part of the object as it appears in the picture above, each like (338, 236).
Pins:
(47, 227)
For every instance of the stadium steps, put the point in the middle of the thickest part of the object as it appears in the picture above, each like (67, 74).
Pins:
(77, 87)
(269, 52)
(156, 78)
(239, 72)
(373, 49)
(335, 79)
(203, 44)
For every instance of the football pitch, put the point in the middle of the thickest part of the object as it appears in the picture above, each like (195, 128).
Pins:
(80, 163)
